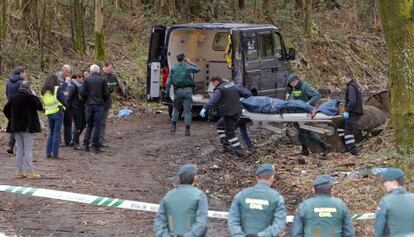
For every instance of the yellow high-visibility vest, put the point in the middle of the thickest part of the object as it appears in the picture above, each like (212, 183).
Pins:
(51, 103)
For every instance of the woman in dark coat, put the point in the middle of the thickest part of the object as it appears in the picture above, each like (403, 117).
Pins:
(23, 122)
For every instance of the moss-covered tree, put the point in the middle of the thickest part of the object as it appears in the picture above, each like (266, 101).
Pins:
(99, 33)
(77, 26)
(308, 18)
(3, 29)
(397, 19)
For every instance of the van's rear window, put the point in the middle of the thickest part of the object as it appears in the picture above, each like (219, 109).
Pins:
(220, 41)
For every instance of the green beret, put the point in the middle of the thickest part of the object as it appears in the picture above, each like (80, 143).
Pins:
(393, 174)
(323, 180)
(187, 169)
(180, 56)
(265, 169)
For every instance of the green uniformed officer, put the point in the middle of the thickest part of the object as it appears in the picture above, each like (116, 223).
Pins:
(183, 210)
(181, 77)
(301, 90)
(395, 214)
(323, 215)
(258, 210)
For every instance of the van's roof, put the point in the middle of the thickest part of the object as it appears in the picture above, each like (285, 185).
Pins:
(224, 26)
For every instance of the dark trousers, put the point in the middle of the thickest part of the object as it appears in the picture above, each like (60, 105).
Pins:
(12, 140)
(67, 127)
(345, 130)
(242, 129)
(103, 125)
(228, 126)
(80, 124)
(305, 136)
(94, 115)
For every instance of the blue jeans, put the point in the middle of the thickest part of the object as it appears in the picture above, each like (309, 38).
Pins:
(94, 116)
(55, 127)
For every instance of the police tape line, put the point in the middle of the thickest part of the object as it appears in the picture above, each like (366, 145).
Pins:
(119, 203)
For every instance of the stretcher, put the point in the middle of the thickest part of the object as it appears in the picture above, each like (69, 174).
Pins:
(320, 123)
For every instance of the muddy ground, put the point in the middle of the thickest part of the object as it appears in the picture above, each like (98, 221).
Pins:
(141, 164)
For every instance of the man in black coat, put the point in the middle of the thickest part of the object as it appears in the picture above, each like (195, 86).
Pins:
(353, 112)
(21, 111)
(95, 92)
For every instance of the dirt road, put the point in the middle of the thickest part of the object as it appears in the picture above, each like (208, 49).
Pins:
(140, 164)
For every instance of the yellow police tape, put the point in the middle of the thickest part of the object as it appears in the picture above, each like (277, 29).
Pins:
(119, 203)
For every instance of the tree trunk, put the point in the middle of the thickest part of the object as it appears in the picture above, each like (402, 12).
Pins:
(99, 34)
(77, 27)
(398, 24)
(308, 18)
(3, 29)
(258, 8)
(242, 4)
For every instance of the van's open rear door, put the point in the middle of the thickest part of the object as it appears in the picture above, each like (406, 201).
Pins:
(156, 60)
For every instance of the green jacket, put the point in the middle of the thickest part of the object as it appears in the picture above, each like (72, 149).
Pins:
(257, 210)
(183, 212)
(185, 77)
(305, 92)
(395, 214)
(323, 216)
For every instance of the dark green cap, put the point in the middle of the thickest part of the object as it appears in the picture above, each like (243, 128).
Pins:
(187, 169)
(180, 56)
(393, 174)
(323, 180)
(292, 77)
(18, 69)
(265, 169)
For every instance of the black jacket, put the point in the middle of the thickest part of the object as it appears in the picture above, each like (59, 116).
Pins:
(353, 99)
(95, 90)
(226, 99)
(21, 111)
(75, 100)
(112, 85)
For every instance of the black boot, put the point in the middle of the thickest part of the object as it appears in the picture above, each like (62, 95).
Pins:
(304, 151)
(187, 131)
(326, 148)
(173, 127)
(10, 150)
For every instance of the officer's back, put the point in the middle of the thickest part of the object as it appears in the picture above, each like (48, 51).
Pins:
(258, 210)
(395, 214)
(183, 210)
(323, 215)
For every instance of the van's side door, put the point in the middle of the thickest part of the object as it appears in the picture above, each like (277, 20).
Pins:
(283, 65)
(268, 62)
(156, 60)
(252, 73)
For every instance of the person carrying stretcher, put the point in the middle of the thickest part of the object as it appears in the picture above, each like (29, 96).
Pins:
(301, 90)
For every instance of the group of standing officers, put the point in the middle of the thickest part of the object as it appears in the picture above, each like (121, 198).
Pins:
(259, 211)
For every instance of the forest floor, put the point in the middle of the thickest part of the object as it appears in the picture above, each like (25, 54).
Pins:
(141, 164)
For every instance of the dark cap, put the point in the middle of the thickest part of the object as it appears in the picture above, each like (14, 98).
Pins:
(393, 174)
(323, 180)
(180, 56)
(292, 77)
(18, 69)
(265, 169)
(216, 78)
(188, 169)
